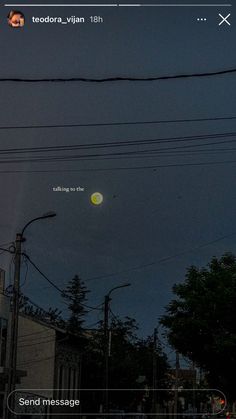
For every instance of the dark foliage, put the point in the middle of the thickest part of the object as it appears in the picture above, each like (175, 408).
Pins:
(201, 320)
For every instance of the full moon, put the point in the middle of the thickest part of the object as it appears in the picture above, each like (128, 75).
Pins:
(96, 198)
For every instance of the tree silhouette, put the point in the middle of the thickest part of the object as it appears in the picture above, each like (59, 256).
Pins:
(75, 296)
(201, 320)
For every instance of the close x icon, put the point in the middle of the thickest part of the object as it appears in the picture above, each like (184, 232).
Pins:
(224, 19)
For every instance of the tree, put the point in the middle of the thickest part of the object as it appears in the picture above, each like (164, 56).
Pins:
(131, 358)
(123, 344)
(201, 320)
(75, 295)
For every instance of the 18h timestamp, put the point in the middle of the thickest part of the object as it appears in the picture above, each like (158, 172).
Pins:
(96, 19)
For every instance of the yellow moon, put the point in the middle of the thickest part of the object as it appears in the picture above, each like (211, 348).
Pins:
(96, 198)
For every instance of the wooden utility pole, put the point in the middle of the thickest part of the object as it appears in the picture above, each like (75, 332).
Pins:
(107, 344)
(12, 361)
(12, 364)
(176, 385)
(106, 350)
(154, 371)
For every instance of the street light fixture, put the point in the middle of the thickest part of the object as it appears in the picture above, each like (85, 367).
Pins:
(106, 338)
(15, 309)
(49, 214)
(118, 286)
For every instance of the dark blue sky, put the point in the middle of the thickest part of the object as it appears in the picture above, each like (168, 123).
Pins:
(147, 214)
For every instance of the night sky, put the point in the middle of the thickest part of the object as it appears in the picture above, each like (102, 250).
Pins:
(148, 214)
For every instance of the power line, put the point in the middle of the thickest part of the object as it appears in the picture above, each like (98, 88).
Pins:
(10, 274)
(26, 272)
(34, 361)
(43, 275)
(180, 150)
(6, 250)
(102, 124)
(134, 156)
(44, 334)
(43, 342)
(36, 343)
(118, 78)
(29, 335)
(116, 318)
(152, 153)
(120, 143)
(149, 152)
(6, 244)
(62, 292)
(151, 167)
(124, 168)
(162, 260)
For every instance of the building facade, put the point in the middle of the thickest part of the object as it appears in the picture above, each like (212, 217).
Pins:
(48, 357)
(4, 319)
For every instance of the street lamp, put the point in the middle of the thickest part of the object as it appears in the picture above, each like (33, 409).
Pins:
(15, 308)
(106, 338)
(49, 214)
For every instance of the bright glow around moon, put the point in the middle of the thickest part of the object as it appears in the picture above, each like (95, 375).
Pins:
(96, 198)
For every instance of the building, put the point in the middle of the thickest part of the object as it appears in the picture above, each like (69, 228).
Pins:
(4, 317)
(48, 358)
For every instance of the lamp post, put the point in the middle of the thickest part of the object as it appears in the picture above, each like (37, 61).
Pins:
(106, 339)
(12, 363)
(154, 370)
(176, 384)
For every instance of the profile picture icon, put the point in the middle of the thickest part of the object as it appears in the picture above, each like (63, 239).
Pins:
(16, 19)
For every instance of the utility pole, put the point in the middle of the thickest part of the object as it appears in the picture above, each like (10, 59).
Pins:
(107, 344)
(106, 349)
(14, 325)
(194, 389)
(176, 384)
(154, 371)
(12, 362)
